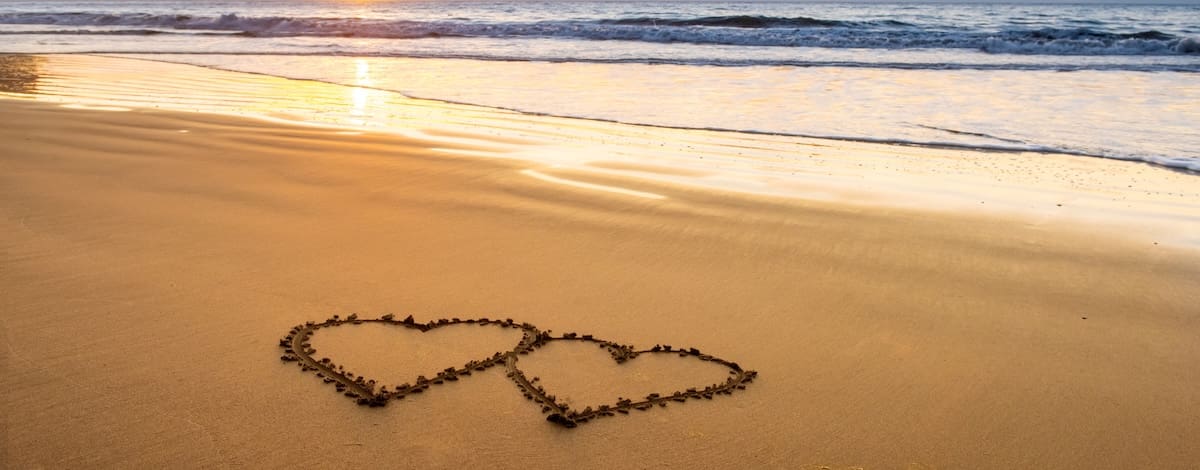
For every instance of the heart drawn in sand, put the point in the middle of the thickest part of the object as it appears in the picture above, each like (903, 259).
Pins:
(366, 391)
(561, 413)
(298, 348)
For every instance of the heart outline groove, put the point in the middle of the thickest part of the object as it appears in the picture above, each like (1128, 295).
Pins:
(561, 414)
(297, 348)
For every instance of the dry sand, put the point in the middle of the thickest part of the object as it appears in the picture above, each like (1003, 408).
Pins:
(147, 275)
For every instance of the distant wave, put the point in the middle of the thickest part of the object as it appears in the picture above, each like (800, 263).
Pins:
(1085, 41)
(751, 21)
(738, 21)
(718, 30)
(119, 32)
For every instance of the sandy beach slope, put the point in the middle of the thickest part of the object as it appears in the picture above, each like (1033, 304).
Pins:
(151, 260)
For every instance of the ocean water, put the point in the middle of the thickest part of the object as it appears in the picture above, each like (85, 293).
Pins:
(1111, 81)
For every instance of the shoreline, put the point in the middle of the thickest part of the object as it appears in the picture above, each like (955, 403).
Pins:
(173, 58)
(1144, 202)
(152, 259)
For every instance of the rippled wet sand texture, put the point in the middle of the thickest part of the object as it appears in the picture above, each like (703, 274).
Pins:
(150, 260)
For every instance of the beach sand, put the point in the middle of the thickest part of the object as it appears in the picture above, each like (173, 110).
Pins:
(151, 260)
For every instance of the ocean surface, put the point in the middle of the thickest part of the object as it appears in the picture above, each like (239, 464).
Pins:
(1104, 80)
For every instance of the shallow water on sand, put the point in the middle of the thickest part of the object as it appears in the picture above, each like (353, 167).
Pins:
(1145, 117)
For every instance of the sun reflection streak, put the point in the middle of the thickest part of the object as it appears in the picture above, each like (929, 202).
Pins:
(362, 73)
(359, 95)
(358, 103)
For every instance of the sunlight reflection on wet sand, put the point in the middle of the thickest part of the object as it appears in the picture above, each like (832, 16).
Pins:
(599, 187)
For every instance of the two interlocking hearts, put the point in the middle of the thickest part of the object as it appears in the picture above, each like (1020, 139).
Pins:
(298, 348)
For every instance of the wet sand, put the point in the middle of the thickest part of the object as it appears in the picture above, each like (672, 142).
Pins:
(151, 261)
